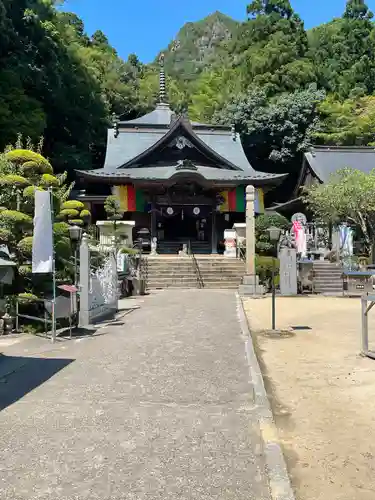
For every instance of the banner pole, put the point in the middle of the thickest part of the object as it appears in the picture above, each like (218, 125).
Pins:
(53, 332)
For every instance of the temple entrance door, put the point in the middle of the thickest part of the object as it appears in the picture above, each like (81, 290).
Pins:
(183, 225)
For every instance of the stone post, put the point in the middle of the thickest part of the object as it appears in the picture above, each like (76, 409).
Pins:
(250, 285)
(84, 282)
(250, 231)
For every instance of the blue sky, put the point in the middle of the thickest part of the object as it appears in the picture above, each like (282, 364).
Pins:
(144, 27)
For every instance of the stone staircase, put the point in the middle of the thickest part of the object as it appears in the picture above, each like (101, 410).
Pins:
(328, 278)
(180, 272)
(173, 247)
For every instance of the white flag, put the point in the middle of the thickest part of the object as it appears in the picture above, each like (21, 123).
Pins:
(42, 238)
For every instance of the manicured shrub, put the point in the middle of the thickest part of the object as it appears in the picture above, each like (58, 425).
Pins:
(21, 156)
(69, 213)
(27, 298)
(61, 228)
(49, 180)
(76, 222)
(11, 217)
(14, 180)
(85, 214)
(74, 205)
(5, 235)
(30, 168)
(25, 270)
(26, 245)
(63, 248)
(29, 191)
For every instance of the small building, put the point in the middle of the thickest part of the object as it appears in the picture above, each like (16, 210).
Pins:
(180, 179)
(319, 163)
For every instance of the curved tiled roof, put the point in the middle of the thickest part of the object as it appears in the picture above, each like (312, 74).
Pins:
(326, 160)
(135, 139)
(154, 173)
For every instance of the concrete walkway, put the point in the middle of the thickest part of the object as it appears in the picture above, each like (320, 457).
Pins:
(158, 406)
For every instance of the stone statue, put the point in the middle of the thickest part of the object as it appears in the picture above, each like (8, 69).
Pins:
(154, 246)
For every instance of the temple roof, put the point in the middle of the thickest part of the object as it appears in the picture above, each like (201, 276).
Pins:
(156, 145)
(326, 160)
(153, 173)
(161, 115)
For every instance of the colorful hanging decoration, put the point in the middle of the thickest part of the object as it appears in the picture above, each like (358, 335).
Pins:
(235, 200)
(232, 201)
(131, 199)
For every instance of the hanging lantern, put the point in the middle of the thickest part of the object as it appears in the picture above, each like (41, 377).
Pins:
(196, 210)
(170, 211)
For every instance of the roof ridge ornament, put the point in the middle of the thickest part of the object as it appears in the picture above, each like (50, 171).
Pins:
(115, 125)
(162, 90)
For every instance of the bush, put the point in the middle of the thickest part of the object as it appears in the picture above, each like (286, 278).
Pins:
(30, 168)
(76, 222)
(262, 224)
(263, 266)
(5, 235)
(68, 213)
(27, 298)
(129, 251)
(25, 270)
(85, 214)
(74, 205)
(21, 156)
(61, 228)
(14, 180)
(63, 248)
(25, 245)
(49, 180)
(29, 191)
(11, 217)
(112, 206)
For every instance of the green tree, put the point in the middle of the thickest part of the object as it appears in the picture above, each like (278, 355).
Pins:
(342, 53)
(22, 172)
(347, 123)
(357, 9)
(276, 131)
(349, 196)
(270, 48)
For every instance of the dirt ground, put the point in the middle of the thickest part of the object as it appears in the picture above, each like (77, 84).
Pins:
(322, 392)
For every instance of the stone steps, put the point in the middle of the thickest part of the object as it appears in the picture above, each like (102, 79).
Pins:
(180, 272)
(173, 247)
(328, 278)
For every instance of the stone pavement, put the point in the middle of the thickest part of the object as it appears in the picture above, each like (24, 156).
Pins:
(156, 406)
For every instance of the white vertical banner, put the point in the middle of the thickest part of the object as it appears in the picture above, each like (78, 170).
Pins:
(42, 238)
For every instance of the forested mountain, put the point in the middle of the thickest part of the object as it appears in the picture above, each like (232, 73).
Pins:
(282, 87)
(198, 46)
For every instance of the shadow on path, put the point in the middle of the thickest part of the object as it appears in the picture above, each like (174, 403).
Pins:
(21, 375)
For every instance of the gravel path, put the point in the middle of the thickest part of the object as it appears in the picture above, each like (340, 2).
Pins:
(158, 406)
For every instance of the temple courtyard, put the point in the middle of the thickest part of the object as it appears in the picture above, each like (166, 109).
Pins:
(157, 405)
(322, 393)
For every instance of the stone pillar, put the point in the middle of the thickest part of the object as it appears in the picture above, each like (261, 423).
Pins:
(84, 282)
(250, 231)
(250, 285)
